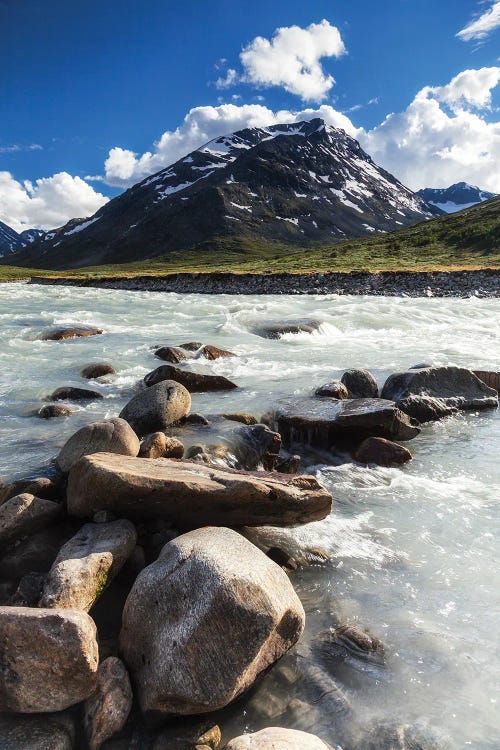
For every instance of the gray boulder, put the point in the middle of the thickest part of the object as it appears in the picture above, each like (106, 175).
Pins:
(107, 709)
(108, 436)
(25, 514)
(360, 383)
(49, 659)
(199, 625)
(191, 495)
(97, 370)
(87, 563)
(433, 392)
(278, 738)
(157, 407)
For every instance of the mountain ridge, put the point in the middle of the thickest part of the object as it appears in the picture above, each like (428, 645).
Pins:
(456, 197)
(12, 241)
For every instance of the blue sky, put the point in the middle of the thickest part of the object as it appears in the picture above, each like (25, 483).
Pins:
(81, 78)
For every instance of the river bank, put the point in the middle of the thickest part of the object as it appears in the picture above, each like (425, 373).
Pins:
(480, 283)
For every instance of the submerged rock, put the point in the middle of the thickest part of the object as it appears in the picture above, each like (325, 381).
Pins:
(323, 423)
(107, 709)
(195, 382)
(157, 407)
(173, 354)
(242, 417)
(213, 352)
(278, 738)
(276, 329)
(377, 450)
(108, 436)
(49, 659)
(59, 334)
(491, 379)
(69, 393)
(348, 640)
(199, 625)
(189, 495)
(400, 737)
(334, 389)
(433, 392)
(97, 370)
(51, 411)
(24, 514)
(360, 383)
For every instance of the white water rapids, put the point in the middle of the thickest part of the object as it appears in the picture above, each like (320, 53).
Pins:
(414, 550)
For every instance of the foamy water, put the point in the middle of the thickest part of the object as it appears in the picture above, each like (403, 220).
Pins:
(414, 551)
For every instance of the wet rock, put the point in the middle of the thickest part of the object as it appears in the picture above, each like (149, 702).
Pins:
(106, 711)
(72, 332)
(157, 407)
(49, 488)
(195, 382)
(287, 543)
(433, 391)
(276, 329)
(347, 641)
(108, 436)
(97, 370)
(213, 352)
(24, 514)
(48, 732)
(377, 450)
(191, 346)
(211, 738)
(225, 618)
(491, 379)
(360, 384)
(69, 393)
(216, 454)
(400, 737)
(287, 463)
(49, 411)
(420, 366)
(173, 354)
(191, 496)
(335, 389)
(281, 558)
(241, 417)
(323, 423)
(158, 445)
(49, 659)
(194, 419)
(87, 563)
(277, 738)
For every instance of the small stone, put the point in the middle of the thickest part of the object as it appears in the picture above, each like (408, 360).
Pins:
(377, 450)
(173, 354)
(335, 389)
(158, 445)
(242, 417)
(213, 352)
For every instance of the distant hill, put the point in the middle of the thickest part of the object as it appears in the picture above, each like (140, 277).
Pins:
(456, 197)
(304, 185)
(11, 241)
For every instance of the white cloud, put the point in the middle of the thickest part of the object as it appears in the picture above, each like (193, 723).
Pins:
(482, 26)
(228, 80)
(16, 147)
(471, 87)
(291, 59)
(48, 203)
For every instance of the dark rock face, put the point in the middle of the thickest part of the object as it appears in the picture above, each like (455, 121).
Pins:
(433, 392)
(345, 641)
(335, 389)
(195, 382)
(97, 370)
(173, 354)
(276, 329)
(377, 450)
(60, 334)
(51, 411)
(11, 241)
(491, 379)
(297, 184)
(360, 384)
(70, 393)
(54, 732)
(323, 423)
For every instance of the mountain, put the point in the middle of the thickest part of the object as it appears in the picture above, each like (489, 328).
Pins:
(456, 197)
(11, 241)
(303, 184)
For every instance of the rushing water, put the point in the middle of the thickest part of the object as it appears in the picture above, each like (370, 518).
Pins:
(414, 551)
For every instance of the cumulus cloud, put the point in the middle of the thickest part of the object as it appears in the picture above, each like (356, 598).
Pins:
(47, 203)
(481, 27)
(470, 88)
(291, 59)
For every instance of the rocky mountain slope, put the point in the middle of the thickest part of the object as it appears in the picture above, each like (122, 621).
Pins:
(11, 241)
(304, 184)
(456, 197)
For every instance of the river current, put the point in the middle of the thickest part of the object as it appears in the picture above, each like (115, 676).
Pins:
(414, 551)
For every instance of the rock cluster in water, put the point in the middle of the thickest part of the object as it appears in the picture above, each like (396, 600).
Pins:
(180, 547)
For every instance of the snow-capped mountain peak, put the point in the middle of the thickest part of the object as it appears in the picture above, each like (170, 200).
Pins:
(456, 197)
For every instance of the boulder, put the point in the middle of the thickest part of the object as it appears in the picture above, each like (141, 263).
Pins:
(195, 382)
(87, 563)
(360, 384)
(491, 379)
(49, 659)
(323, 423)
(108, 436)
(49, 411)
(277, 738)
(213, 352)
(276, 329)
(107, 709)
(157, 407)
(199, 625)
(191, 495)
(334, 389)
(241, 417)
(377, 450)
(69, 393)
(97, 370)
(71, 332)
(48, 488)
(433, 392)
(173, 354)
(48, 732)
(24, 514)
(158, 445)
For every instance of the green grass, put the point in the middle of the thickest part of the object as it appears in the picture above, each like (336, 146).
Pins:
(467, 240)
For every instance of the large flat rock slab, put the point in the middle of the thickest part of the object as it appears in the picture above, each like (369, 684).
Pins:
(327, 422)
(191, 494)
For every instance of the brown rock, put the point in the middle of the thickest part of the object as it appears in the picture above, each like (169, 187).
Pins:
(241, 417)
(107, 709)
(45, 487)
(195, 382)
(213, 352)
(377, 450)
(360, 384)
(190, 495)
(335, 389)
(171, 354)
(158, 445)
(491, 379)
(108, 436)
(69, 393)
(49, 411)
(191, 346)
(60, 334)
(87, 563)
(49, 659)
(23, 514)
(97, 370)
(46, 732)
(157, 407)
